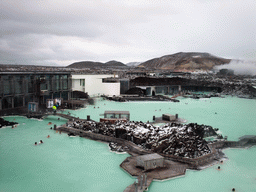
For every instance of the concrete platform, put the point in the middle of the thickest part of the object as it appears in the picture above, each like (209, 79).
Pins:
(171, 169)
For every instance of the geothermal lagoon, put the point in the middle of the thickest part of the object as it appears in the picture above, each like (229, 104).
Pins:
(65, 163)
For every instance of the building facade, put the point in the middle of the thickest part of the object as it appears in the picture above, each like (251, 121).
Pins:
(19, 88)
(96, 85)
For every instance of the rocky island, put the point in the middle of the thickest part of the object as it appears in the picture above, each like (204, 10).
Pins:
(181, 145)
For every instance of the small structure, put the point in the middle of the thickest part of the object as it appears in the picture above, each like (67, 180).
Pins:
(229, 72)
(150, 161)
(113, 116)
(169, 117)
(49, 103)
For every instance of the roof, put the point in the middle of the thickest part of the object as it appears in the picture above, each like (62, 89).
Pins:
(116, 112)
(34, 73)
(150, 157)
(170, 115)
(247, 137)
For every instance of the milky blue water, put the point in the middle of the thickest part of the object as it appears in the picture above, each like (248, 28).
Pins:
(65, 163)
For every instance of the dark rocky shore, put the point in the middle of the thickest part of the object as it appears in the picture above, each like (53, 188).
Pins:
(6, 123)
(171, 139)
(139, 98)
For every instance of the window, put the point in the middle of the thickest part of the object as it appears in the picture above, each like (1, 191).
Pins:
(82, 82)
(18, 84)
(7, 85)
(44, 86)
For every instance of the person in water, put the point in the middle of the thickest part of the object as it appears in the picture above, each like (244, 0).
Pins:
(35, 143)
(41, 141)
(48, 136)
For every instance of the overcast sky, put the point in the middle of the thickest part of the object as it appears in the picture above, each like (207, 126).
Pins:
(61, 32)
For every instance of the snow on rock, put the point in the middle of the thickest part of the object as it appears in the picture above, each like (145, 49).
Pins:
(171, 139)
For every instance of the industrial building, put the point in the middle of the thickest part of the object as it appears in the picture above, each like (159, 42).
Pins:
(169, 117)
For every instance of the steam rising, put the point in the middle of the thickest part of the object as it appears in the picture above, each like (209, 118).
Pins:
(240, 67)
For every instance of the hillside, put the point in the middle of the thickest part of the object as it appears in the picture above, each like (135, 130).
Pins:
(115, 63)
(185, 61)
(133, 64)
(92, 64)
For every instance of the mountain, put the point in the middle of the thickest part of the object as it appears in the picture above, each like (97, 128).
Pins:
(85, 64)
(92, 64)
(133, 64)
(115, 63)
(185, 61)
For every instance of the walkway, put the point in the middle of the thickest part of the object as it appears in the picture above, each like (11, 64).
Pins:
(69, 117)
(143, 182)
(171, 169)
(177, 95)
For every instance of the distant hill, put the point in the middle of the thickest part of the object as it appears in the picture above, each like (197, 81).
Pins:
(133, 64)
(185, 61)
(92, 64)
(115, 63)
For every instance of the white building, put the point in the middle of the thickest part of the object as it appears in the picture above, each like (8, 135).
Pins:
(95, 85)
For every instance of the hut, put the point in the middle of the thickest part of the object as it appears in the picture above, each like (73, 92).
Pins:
(169, 117)
(113, 116)
(150, 161)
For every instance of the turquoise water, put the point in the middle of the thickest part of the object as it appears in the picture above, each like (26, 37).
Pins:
(61, 163)
(65, 163)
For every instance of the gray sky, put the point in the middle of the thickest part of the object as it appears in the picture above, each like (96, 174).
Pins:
(61, 32)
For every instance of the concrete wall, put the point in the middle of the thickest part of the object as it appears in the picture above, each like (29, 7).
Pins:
(151, 164)
(76, 85)
(124, 85)
(94, 86)
(217, 145)
(194, 162)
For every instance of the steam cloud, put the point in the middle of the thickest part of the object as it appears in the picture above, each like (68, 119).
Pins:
(240, 67)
